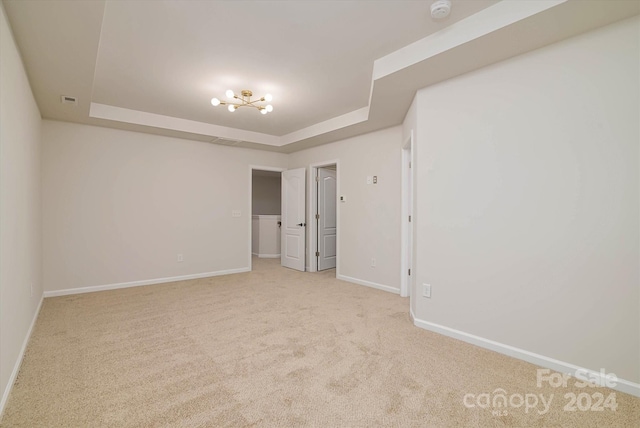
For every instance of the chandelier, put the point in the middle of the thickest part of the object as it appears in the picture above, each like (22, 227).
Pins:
(244, 100)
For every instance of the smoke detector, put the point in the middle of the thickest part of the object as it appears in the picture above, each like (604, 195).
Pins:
(440, 9)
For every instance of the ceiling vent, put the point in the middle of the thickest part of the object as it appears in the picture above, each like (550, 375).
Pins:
(225, 141)
(440, 9)
(64, 99)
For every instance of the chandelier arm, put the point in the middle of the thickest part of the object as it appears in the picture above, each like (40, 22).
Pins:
(244, 100)
(244, 104)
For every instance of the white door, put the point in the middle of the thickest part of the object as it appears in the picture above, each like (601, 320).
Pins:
(293, 219)
(326, 218)
(406, 257)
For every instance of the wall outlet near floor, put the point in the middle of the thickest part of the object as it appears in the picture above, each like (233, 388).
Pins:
(426, 290)
(180, 258)
(373, 262)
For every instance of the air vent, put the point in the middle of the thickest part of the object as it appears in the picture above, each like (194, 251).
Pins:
(64, 99)
(225, 141)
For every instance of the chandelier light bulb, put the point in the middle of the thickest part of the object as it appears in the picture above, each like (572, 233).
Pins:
(263, 111)
(215, 102)
(232, 108)
(268, 98)
(229, 94)
(269, 108)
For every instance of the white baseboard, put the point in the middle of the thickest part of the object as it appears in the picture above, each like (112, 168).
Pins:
(268, 256)
(94, 288)
(369, 284)
(16, 367)
(540, 360)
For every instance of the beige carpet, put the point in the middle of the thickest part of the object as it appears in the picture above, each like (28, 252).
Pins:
(272, 348)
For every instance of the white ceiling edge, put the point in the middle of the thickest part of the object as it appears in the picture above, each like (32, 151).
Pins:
(473, 27)
(137, 117)
(451, 39)
(333, 124)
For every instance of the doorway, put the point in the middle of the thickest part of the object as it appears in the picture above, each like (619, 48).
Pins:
(265, 209)
(324, 215)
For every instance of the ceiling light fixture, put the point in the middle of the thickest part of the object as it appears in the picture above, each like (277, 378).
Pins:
(244, 101)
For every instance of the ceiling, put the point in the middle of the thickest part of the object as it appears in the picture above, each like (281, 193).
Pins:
(335, 68)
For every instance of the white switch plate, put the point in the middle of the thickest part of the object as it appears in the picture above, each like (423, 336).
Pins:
(343, 199)
(236, 213)
(426, 290)
(369, 179)
(180, 258)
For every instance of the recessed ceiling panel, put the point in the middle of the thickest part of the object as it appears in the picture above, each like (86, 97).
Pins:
(314, 57)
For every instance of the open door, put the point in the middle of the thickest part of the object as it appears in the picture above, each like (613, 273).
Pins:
(293, 216)
(406, 250)
(326, 218)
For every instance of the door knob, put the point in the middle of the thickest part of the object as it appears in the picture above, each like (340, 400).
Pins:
(301, 224)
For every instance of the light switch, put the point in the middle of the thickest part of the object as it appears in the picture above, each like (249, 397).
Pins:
(343, 198)
(426, 290)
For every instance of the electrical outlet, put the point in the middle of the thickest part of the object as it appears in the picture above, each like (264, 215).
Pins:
(373, 262)
(375, 179)
(236, 213)
(426, 290)
(180, 258)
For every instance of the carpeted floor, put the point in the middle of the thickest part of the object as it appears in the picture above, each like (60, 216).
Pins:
(274, 348)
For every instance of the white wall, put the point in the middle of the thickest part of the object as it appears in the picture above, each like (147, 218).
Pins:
(265, 236)
(369, 221)
(120, 206)
(20, 207)
(528, 197)
(266, 195)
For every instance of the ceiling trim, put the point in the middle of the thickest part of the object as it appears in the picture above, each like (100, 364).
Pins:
(137, 117)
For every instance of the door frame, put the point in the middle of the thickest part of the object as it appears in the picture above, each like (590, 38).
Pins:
(312, 200)
(250, 214)
(407, 209)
